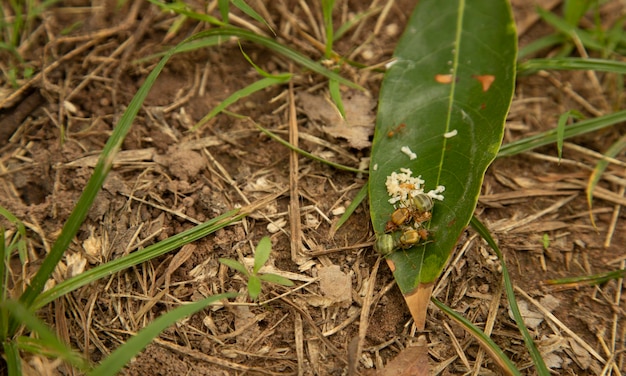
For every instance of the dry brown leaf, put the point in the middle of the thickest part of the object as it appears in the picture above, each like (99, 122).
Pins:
(358, 125)
(411, 361)
(336, 285)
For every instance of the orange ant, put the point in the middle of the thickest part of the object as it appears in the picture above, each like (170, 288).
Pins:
(397, 129)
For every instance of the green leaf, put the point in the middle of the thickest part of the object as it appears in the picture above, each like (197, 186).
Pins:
(262, 253)
(234, 264)
(454, 72)
(254, 287)
(135, 344)
(274, 278)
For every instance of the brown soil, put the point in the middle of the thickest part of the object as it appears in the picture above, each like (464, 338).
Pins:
(169, 179)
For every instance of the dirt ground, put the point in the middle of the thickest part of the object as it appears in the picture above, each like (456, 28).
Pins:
(168, 179)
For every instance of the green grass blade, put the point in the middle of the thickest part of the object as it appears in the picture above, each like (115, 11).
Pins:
(187, 47)
(136, 258)
(247, 9)
(601, 166)
(571, 63)
(327, 15)
(540, 44)
(123, 354)
(487, 343)
(550, 137)
(309, 155)
(570, 30)
(574, 10)
(12, 358)
(343, 29)
(358, 199)
(47, 343)
(287, 52)
(229, 31)
(16, 241)
(540, 365)
(182, 8)
(335, 96)
(591, 280)
(223, 6)
(560, 128)
(242, 93)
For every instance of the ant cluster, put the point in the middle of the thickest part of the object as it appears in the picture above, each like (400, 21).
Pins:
(405, 227)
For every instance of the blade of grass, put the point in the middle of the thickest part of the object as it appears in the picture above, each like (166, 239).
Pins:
(135, 344)
(358, 199)
(540, 365)
(252, 13)
(487, 343)
(549, 137)
(354, 21)
(574, 10)
(18, 242)
(287, 52)
(297, 57)
(136, 258)
(539, 44)
(268, 80)
(12, 358)
(591, 280)
(47, 341)
(560, 128)
(242, 93)
(601, 166)
(223, 6)
(307, 154)
(335, 96)
(182, 8)
(327, 15)
(571, 63)
(570, 30)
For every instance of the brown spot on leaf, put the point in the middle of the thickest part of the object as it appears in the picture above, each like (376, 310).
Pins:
(486, 80)
(443, 78)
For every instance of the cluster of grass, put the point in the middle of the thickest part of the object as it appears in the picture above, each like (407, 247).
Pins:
(20, 328)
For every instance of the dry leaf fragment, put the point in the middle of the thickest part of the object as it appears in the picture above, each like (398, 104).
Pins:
(336, 285)
(358, 125)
